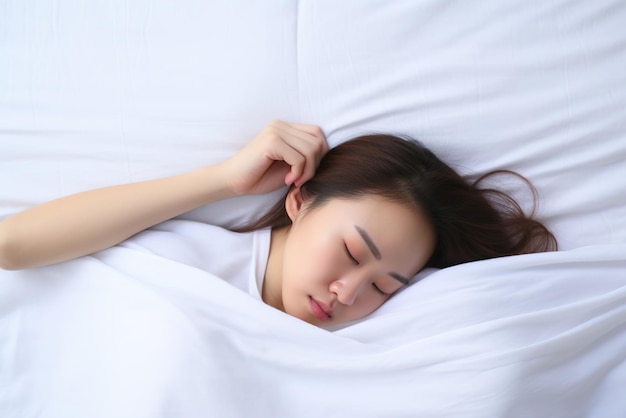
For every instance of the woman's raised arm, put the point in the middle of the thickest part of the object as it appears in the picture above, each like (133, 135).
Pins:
(83, 223)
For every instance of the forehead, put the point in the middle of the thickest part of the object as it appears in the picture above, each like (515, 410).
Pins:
(389, 223)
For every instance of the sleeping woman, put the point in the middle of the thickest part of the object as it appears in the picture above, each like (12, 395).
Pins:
(356, 224)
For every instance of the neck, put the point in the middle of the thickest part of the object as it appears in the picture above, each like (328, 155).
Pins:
(272, 282)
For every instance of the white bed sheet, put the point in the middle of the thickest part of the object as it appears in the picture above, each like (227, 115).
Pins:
(114, 91)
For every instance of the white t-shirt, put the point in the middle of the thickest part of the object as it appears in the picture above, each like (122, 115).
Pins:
(238, 258)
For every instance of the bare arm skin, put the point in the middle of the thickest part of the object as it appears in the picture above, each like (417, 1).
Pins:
(83, 223)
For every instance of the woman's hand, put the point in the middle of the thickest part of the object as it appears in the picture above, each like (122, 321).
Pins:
(283, 153)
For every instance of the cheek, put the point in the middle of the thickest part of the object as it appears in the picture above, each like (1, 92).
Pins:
(310, 269)
(359, 311)
(307, 262)
(370, 304)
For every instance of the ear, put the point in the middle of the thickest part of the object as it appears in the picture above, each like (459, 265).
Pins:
(294, 203)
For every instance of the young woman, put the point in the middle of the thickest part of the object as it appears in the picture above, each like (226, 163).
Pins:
(356, 224)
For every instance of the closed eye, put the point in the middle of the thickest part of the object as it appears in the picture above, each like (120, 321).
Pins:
(379, 290)
(350, 256)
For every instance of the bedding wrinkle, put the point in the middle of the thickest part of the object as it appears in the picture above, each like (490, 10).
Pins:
(122, 73)
(146, 24)
(130, 44)
(580, 50)
(593, 353)
(296, 45)
(567, 128)
(591, 321)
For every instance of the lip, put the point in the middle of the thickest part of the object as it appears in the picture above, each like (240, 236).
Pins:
(320, 309)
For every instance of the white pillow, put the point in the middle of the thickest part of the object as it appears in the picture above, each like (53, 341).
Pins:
(116, 93)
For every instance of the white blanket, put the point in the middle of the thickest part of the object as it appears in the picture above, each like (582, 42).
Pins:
(125, 333)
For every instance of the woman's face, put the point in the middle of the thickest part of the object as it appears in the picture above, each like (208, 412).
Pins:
(344, 259)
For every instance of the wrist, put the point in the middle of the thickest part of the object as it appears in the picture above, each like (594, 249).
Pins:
(214, 181)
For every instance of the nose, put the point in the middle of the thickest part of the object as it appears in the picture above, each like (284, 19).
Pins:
(348, 288)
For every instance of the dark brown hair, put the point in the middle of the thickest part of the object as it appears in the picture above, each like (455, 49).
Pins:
(471, 223)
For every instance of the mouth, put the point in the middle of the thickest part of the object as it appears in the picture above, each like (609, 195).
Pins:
(320, 309)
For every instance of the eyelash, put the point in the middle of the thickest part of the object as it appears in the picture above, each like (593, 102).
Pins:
(378, 290)
(350, 256)
(356, 262)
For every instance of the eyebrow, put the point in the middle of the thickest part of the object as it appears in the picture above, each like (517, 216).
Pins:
(376, 253)
(400, 278)
(370, 243)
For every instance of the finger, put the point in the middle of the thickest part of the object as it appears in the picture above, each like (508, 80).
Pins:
(283, 151)
(310, 133)
(313, 130)
(312, 148)
(303, 164)
(298, 165)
